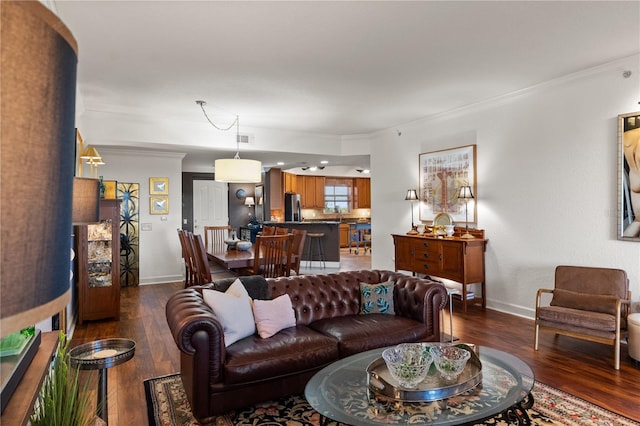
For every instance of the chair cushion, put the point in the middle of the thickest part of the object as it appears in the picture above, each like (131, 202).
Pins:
(587, 302)
(578, 318)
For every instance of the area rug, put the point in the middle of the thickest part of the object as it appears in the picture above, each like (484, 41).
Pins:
(167, 405)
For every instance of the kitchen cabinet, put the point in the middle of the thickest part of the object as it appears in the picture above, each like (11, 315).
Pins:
(312, 192)
(457, 259)
(344, 235)
(361, 193)
(97, 249)
(275, 188)
(290, 182)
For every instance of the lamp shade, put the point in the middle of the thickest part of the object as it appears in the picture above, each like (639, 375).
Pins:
(90, 153)
(412, 195)
(38, 60)
(238, 170)
(86, 201)
(465, 193)
(249, 201)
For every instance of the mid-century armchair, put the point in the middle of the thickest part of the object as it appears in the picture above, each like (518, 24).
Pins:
(588, 303)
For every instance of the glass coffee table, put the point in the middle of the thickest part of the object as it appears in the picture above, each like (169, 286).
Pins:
(340, 392)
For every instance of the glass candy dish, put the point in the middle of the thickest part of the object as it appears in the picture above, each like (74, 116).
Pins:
(408, 363)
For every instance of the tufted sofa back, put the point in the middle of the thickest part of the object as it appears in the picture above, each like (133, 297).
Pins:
(316, 297)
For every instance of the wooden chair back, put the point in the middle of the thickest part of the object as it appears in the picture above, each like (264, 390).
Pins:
(272, 255)
(299, 238)
(203, 272)
(186, 239)
(214, 237)
(273, 230)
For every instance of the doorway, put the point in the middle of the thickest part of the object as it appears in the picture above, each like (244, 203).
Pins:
(210, 204)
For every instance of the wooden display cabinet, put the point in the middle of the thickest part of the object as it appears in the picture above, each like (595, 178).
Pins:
(97, 249)
(457, 259)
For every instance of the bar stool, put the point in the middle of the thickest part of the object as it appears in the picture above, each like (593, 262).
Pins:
(316, 241)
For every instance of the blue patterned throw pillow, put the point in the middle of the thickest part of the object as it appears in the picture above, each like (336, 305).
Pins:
(377, 298)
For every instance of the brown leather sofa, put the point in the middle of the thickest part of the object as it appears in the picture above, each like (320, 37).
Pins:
(328, 327)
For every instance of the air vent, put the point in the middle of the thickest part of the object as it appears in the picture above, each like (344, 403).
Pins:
(244, 138)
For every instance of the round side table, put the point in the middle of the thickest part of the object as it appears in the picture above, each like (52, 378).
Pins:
(100, 355)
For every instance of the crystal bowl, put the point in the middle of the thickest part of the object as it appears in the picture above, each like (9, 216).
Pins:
(408, 363)
(449, 360)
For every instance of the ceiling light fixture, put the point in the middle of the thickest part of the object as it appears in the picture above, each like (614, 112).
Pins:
(236, 169)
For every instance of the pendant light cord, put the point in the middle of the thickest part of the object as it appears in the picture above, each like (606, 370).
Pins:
(236, 122)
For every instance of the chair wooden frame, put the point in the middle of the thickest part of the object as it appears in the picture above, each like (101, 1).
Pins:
(621, 311)
(269, 252)
(299, 238)
(214, 237)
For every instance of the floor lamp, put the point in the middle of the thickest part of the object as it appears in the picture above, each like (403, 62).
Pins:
(412, 196)
(465, 194)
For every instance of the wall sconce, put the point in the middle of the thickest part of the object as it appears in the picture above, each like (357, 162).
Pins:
(412, 196)
(464, 193)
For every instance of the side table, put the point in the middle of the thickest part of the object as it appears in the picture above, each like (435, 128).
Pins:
(450, 293)
(100, 355)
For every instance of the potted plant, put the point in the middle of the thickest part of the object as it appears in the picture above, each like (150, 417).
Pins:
(62, 401)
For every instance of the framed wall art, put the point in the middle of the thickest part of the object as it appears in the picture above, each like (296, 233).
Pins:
(158, 186)
(629, 177)
(441, 175)
(158, 204)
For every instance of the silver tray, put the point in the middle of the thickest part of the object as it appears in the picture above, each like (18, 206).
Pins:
(432, 388)
(102, 353)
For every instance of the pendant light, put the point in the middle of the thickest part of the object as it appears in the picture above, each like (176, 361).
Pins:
(236, 169)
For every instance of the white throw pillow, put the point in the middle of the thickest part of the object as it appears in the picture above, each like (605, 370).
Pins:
(273, 315)
(233, 309)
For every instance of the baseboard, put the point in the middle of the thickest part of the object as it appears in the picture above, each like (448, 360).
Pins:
(509, 308)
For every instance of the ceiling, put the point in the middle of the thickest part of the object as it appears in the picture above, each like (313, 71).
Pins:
(334, 68)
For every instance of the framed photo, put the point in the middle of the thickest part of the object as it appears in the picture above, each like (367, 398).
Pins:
(629, 177)
(158, 186)
(441, 175)
(159, 204)
(110, 187)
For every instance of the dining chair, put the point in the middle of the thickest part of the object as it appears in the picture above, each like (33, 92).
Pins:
(274, 230)
(203, 271)
(214, 237)
(272, 255)
(190, 259)
(188, 279)
(299, 238)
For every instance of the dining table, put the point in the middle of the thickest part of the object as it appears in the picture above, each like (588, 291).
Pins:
(233, 259)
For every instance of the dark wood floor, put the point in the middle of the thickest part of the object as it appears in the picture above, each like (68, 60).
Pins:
(580, 368)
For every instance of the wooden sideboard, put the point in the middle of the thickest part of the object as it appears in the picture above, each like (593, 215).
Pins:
(457, 259)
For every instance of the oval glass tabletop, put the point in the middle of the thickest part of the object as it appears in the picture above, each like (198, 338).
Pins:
(340, 392)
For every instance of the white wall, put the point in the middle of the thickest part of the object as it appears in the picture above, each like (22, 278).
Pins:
(160, 255)
(546, 180)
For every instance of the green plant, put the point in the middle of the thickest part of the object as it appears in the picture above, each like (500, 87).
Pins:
(61, 401)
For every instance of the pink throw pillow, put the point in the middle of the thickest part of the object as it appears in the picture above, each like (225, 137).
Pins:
(273, 315)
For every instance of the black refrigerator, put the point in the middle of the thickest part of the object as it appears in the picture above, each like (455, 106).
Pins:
(292, 209)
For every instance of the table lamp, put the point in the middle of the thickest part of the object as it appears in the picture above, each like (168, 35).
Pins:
(412, 196)
(464, 193)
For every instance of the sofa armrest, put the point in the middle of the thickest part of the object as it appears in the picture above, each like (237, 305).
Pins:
(197, 332)
(420, 299)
